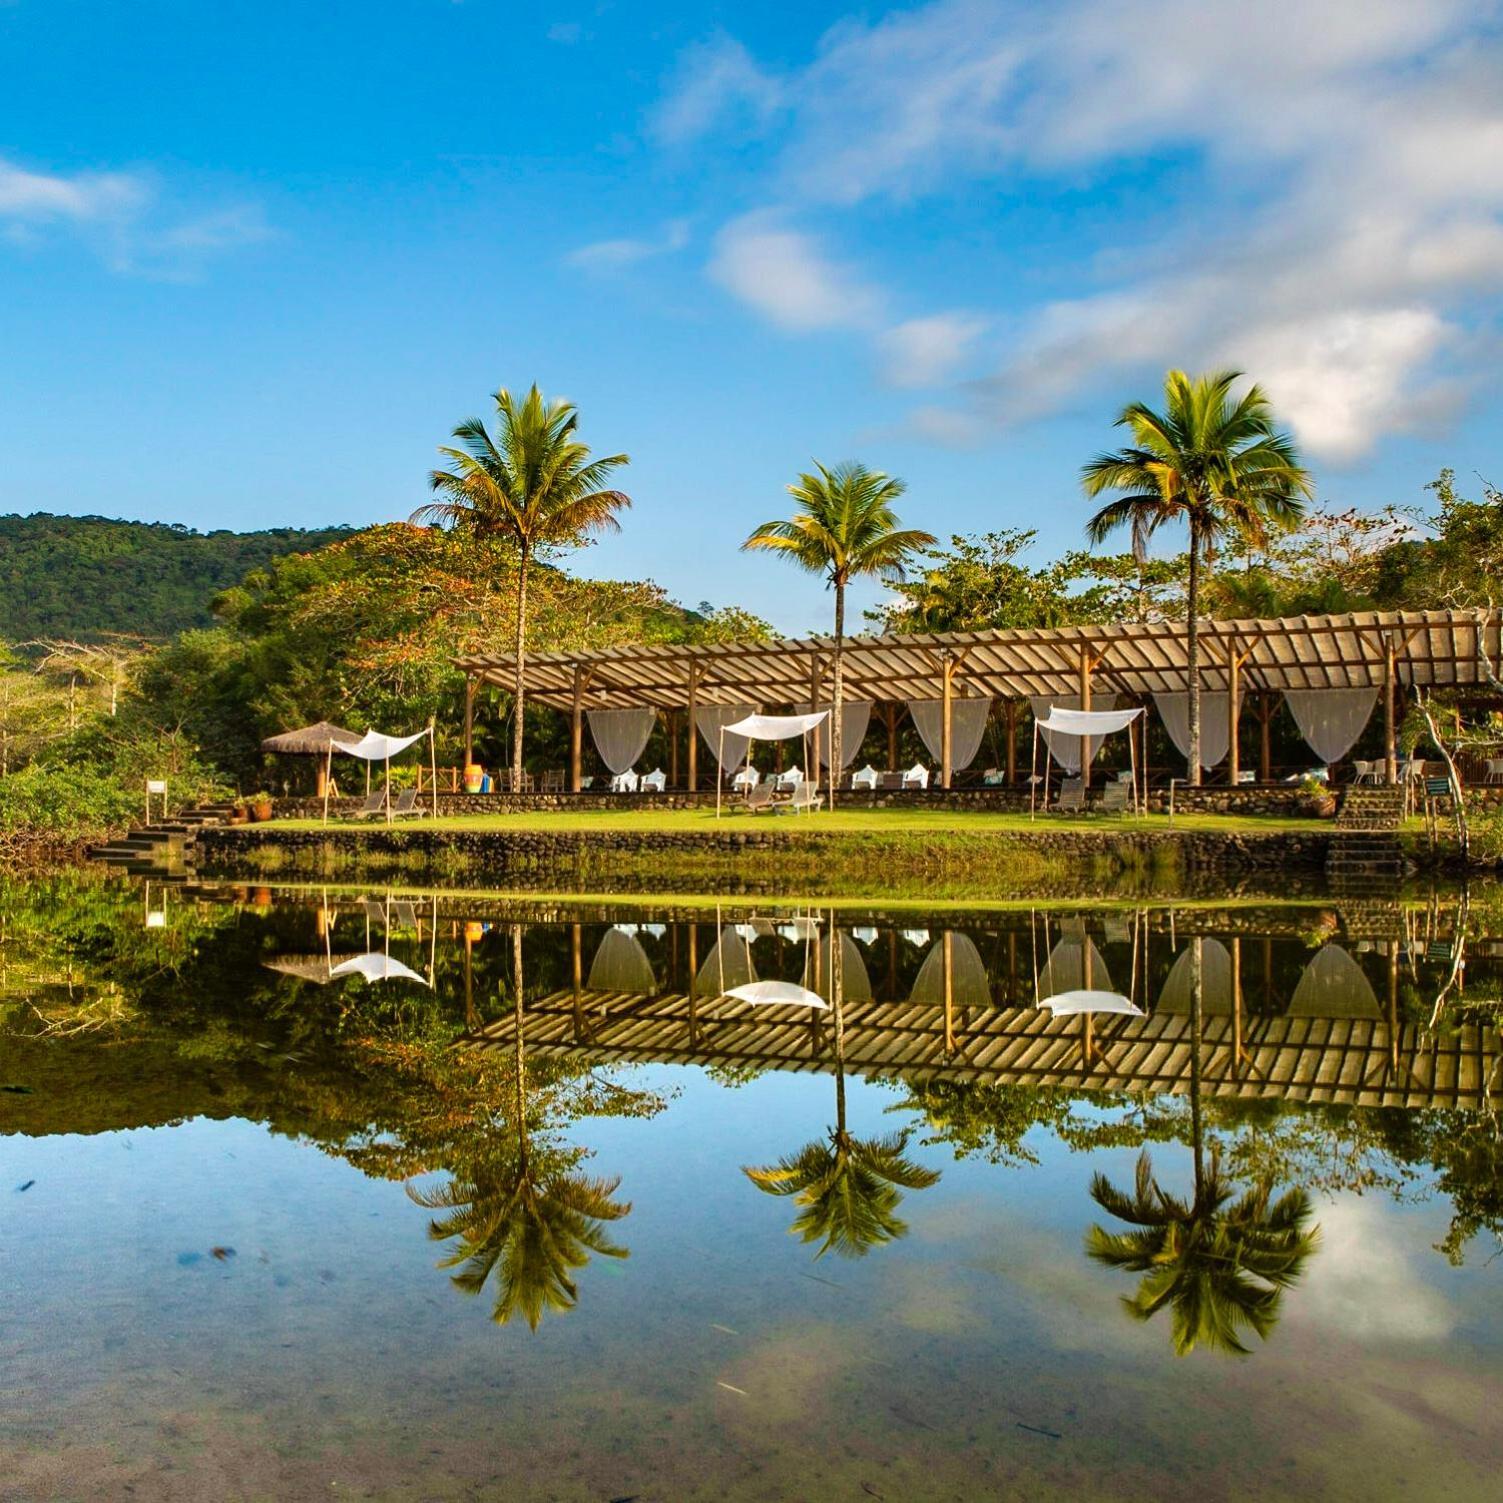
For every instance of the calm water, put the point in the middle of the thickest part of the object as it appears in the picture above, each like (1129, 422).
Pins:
(274, 1232)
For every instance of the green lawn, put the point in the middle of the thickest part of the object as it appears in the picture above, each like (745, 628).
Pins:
(923, 822)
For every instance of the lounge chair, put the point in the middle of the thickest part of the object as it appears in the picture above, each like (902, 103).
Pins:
(656, 781)
(759, 798)
(403, 914)
(806, 799)
(407, 806)
(1115, 797)
(375, 803)
(1071, 795)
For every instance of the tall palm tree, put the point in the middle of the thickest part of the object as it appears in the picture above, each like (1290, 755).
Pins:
(532, 483)
(522, 1211)
(1221, 1270)
(1212, 460)
(844, 527)
(847, 1188)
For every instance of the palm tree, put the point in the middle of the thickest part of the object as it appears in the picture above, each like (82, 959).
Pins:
(847, 1188)
(523, 1211)
(534, 484)
(1211, 460)
(844, 527)
(1220, 1270)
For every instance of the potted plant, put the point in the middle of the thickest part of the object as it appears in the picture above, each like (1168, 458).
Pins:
(1317, 798)
(260, 807)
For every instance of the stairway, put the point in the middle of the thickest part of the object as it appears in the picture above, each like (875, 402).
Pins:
(148, 848)
(1365, 841)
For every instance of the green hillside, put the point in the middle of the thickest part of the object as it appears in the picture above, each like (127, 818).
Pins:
(85, 576)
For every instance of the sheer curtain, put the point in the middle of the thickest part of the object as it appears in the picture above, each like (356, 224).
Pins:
(968, 719)
(621, 735)
(1066, 749)
(855, 717)
(1215, 732)
(710, 718)
(1330, 720)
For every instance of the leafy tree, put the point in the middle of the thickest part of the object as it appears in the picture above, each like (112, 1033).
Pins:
(844, 527)
(534, 484)
(1215, 462)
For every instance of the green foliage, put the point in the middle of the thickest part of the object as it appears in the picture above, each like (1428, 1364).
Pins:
(87, 576)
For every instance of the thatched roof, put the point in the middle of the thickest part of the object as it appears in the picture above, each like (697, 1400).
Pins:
(311, 741)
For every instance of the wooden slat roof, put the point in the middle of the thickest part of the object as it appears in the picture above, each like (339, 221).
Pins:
(1347, 1061)
(1432, 649)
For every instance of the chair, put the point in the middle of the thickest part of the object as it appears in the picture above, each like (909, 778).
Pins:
(806, 799)
(1364, 772)
(747, 778)
(890, 781)
(917, 776)
(404, 914)
(1115, 797)
(624, 782)
(513, 781)
(656, 781)
(407, 805)
(553, 780)
(1494, 770)
(375, 803)
(1071, 795)
(790, 779)
(759, 798)
(865, 779)
(993, 777)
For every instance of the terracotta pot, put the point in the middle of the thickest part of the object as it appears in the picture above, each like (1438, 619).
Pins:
(261, 810)
(1322, 805)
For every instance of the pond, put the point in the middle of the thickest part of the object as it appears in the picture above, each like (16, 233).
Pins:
(342, 1192)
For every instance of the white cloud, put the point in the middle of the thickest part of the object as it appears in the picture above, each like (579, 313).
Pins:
(718, 85)
(784, 275)
(1362, 1284)
(1335, 221)
(123, 217)
(926, 351)
(613, 255)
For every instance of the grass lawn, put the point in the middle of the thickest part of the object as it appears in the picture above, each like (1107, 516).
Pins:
(920, 822)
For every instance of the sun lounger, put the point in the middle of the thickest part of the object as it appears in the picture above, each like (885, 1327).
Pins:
(407, 805)
(759, 798)
(375, 803)
(806, 799)
(1071, 795)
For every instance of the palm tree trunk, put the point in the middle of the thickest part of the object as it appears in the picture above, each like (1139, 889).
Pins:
(1192, 610)
(837, 714)
(520, 1060)
(519, 678)
(837, 998)
(1197, 1023)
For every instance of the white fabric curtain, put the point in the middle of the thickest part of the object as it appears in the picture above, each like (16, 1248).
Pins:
(855, 717)
(968, 987)
(856, 983)
(621, 735)
(1215, 732)
(728, 965)
(1074, 964)
(1330, 720)
(968, 719)
(621, 965)
(1216, 999)
(710, 718)
(1066, 749)
(1334, 986)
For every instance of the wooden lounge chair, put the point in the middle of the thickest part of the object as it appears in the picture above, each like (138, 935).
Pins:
(1115, 797)
(375, 803)
(759, 798)
(1071, 795)
(407, 805)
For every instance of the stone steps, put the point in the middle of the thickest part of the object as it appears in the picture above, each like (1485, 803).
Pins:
(149, 847)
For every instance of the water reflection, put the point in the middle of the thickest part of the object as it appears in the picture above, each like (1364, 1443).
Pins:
(847, 1189)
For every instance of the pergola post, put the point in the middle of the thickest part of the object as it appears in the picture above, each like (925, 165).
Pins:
(693, 727)
(1233, 713)
(1390, 747)
(576, 729)
(670, 722)
(947, 692)
(1085, 704)
(892, 711)
(1012, 742)
(469, 720)
(816, 677)
(1265, 741)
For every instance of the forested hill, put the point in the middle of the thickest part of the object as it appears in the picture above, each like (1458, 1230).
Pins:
(84, 576)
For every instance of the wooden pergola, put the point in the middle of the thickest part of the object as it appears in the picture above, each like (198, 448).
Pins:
(1390, 651)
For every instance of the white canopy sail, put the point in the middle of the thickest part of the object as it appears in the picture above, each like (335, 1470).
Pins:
(373, 746)
(376, 966)
(777, 994)
(777, 727)
(1062, 726)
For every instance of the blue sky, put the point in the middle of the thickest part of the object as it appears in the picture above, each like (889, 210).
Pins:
(257, 260)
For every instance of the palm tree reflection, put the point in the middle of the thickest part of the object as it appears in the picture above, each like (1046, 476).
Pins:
(1219, 1265)
(847, 1189)
(520, 1212)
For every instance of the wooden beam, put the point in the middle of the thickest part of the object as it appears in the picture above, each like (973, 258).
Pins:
(1266, 707)
(1233, 714)
(894, 710)
(1390, 730)
(576, 728)
(1086, 665)
(946, 697)
(694, 728)
(1012, 742)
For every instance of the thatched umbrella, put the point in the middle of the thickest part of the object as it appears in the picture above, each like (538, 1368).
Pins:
(310, 741)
